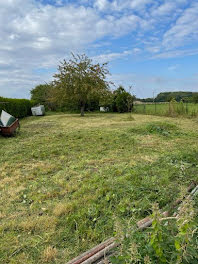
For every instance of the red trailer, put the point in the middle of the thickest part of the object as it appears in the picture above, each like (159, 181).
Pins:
(10, 130)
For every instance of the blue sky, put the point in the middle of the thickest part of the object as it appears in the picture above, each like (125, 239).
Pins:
(151, 45)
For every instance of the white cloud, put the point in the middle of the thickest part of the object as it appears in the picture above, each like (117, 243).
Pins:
(111, 56)
(184, 30)
(153, 49)
(120, 5)
(175, 54)
(136, 50)
(168, 8)
(173, 67)
(101, 4)
(139, 4)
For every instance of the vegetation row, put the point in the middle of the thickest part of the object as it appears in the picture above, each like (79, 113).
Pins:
(172, 108)
(16, 107)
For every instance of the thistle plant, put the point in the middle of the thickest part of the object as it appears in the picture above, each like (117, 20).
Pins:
(156, 240)
(185, 225)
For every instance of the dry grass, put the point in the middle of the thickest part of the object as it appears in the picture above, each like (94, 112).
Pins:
(64, 208)
(39, 223)
(49, 254)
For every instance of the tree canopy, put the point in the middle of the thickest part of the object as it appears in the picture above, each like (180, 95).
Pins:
(123, 101)
(178, 96)
(79, 80)
(40, 94)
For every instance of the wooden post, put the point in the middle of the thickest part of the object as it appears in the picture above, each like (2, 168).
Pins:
(94, 251)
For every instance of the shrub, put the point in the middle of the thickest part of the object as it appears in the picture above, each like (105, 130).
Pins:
(16, 107)
(123, 101)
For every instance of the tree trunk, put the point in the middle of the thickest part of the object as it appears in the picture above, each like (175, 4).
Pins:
(82, 109)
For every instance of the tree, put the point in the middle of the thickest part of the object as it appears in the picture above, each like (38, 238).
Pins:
(107, 100)
(40, 94)
(123, 101)
(78, 80)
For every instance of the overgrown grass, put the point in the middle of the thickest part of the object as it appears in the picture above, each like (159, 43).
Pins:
(168, 109)
(65, 179)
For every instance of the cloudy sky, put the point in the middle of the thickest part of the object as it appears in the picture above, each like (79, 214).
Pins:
(149, 44)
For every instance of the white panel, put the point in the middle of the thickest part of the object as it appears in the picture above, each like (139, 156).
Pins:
(5, 117)
(38, 110)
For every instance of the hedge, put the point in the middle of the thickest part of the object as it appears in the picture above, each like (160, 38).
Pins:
(16, 107)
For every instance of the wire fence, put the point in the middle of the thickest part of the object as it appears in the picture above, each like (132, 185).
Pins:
(167, 109)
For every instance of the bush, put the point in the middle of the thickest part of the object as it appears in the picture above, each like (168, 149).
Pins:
(123, 101)
(16, 107)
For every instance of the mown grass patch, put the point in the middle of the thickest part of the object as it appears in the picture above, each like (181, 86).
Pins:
(159, 128)
(65, 179)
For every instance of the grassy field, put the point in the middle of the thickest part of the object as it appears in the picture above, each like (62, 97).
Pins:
(66, 180)
(164, 109)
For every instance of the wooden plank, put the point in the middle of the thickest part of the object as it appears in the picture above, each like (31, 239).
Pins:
(100, 254)
(93, 251)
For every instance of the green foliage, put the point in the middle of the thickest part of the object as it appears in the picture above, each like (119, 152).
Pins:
(146, 100)
(16, 107)
(164, 128)
(78, 81)
(156, 239)
(170, 240)
(123, 101)
(186, 227)
(107, 100)
(195, 98)
(41, 95)
(119, 260)
(176, 108)
(178, 96)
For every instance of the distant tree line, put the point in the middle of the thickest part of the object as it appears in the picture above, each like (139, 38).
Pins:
(191, 97)
(81, 85)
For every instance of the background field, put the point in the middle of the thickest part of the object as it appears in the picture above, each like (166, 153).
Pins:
(167, 109)
(66, 180)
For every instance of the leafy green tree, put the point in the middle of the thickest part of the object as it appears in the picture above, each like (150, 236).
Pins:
(107, 100)
(78, 80)
(123, 100)
(178, 96)
(40, 94)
